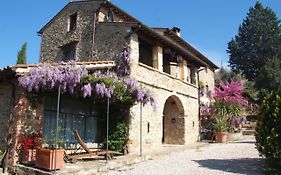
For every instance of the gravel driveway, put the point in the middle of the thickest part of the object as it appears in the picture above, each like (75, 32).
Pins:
(214, 159)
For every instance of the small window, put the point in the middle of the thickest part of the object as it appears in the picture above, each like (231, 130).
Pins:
(110, 16)
(72, 21)
(192, 75)
(145, 53)
(69, 52)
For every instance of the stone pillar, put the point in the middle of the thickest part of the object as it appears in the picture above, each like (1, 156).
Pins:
(19, 111)
(24, 119)
(185, 71)
(158, 58)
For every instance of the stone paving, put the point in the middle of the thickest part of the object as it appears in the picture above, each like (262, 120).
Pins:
(234, 158)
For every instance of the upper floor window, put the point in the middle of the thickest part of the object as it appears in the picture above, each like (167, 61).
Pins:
(192, 75)
(72, 22)
(69, 52)
(110, 15)
(145, 53)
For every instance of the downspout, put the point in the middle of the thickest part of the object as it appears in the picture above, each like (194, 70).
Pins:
(94, 32)
(198, 79)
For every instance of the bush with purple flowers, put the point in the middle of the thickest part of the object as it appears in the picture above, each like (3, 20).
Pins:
(75, 80)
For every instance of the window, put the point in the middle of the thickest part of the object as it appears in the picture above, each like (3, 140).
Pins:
(193, 75)
(207, 88)
(69, 52)
(145, 53)
(72, 22)
(110, 16)
(166, 65)
(75, 114)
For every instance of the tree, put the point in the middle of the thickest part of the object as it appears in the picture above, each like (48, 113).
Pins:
(270, 77)
(21, 59)
(227, 75)
(258, 40)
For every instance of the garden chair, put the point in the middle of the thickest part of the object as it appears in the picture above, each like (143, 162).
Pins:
(88, 154)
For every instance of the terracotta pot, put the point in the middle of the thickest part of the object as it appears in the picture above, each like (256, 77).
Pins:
(221, 137)
(27, 157)
(45, 159)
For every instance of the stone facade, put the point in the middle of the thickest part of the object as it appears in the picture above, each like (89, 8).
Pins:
(57, 35)
(175, 120)
(207, 76)
(17, 118)
(5, 108)
(166, 88)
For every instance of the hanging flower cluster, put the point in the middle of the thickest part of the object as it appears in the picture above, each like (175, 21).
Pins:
(230, 92)
(48, 77)
(123, 65)
(75, 79)
(122, 89)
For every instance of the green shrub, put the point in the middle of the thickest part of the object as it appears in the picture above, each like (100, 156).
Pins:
(118, 139)
(268, 131)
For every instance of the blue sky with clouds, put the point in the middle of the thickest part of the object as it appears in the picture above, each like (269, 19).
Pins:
(207, 25)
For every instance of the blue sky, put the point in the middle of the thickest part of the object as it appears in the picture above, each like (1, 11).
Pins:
(207, 25)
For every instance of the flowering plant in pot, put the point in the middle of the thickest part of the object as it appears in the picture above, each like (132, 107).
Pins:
(229, 103)
(28, 145)
(50, 157)
(220, 123)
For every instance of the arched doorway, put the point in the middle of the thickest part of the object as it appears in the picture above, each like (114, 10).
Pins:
(173, 121)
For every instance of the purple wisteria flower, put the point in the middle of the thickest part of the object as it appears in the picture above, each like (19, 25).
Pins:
(86, 90)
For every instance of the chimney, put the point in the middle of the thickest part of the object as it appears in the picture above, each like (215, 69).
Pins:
(176, 30)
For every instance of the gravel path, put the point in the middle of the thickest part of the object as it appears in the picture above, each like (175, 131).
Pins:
(214, 159)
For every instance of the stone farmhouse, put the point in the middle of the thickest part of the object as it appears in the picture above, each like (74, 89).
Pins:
(94, 32)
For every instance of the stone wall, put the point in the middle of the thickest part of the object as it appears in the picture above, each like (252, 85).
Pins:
(24, 120)
(106, 44)
(208, 77)
(163, 86)
(110, 40)
(56, 35)
(5, 108)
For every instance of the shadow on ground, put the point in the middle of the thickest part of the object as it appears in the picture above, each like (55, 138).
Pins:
(248, 166)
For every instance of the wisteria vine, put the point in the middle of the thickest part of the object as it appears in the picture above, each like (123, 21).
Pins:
(74, 79)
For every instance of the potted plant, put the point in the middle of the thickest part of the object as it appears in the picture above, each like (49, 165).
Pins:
(221, 127)
(221, 117)
(28, 145)
(229, 103)
(51, 157)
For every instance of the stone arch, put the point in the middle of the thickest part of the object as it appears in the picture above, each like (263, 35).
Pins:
(173, 121)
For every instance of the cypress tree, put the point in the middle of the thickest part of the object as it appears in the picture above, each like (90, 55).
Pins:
(21, 59)
(257, 41)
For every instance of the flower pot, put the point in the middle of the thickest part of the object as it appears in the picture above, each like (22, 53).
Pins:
(221, 137)
(27, 157)
(45, 159)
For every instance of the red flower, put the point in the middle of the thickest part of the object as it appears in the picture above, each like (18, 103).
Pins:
(31, 140)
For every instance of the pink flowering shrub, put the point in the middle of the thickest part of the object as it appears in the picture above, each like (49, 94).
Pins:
(230, 92)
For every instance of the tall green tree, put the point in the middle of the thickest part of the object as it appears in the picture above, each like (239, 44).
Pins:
(21, 59)
(270, 77)
(257, 41)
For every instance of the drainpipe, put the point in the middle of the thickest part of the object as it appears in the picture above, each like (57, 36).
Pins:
(94, 32)
(198, 78)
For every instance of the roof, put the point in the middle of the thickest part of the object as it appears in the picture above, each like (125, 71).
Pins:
(20, 69)
(179, 44)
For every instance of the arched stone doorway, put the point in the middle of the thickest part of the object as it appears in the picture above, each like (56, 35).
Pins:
(173, 121)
